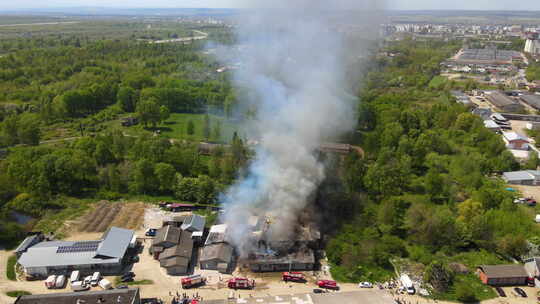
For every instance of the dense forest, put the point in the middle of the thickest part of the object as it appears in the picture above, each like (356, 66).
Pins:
(52, 86)
(426, 190)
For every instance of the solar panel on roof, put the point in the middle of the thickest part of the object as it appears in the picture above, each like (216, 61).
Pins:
(79, 247)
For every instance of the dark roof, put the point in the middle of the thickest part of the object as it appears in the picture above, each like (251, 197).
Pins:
(504, 271)
(167, 234)
(115, 242)
(183, 249)
(117, 296)
(193, 223)
(532, 100)
(27, 242)
(221, 251)
(174, 262)
(500, 100)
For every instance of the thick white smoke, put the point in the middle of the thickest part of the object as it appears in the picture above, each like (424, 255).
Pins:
(294, 59)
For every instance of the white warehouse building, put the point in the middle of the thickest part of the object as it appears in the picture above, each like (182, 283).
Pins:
(61, 257)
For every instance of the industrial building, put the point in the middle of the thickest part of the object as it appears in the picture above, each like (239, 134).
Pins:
(173, 247)
(503, 103)
(117, 296)
(487, 56)
(217, 256)
(531, 100)
(462, 98)
(527, 177)
(503, 275)
(532, 45)
(61, 257)
(301, 260)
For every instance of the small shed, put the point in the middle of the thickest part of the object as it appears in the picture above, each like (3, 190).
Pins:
(503, 275)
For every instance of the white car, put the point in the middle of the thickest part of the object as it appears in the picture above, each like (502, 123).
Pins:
(365, 285)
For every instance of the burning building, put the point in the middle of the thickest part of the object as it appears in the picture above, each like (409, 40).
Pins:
(268, 252)
(297, 72)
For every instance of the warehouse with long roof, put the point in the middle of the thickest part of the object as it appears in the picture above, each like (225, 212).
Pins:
(55, 257)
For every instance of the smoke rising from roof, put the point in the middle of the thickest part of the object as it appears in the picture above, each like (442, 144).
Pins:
(294, 64)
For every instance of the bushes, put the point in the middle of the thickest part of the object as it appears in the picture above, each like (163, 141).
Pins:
(10, 268)
(465, 293)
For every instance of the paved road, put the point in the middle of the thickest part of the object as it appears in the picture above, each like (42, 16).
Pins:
(351, 297)
(202, 35)
(40, 23)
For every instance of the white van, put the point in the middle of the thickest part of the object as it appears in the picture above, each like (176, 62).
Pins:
(79, 286)
(105, 284)
(95, 278)
(75, 276)
(50, 282)
(60, 281)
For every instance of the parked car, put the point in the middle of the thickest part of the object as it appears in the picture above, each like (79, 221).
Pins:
(520, 292)
(520, 200)
(96, 277)
(79, 286)
(530, 202)
(60, 281)
(126, 279)
(318, 291)
(500, 291)
(130, 274)
(365, 285)
(150, 232)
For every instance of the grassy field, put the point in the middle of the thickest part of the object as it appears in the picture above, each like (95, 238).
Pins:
(10, 268)
(176, 128)
(17, 293)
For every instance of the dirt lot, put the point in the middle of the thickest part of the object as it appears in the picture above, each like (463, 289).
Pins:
(106, 214)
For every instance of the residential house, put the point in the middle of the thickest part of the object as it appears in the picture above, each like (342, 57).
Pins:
(515, 141)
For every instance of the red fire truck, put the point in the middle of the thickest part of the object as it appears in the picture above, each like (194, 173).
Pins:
(193, 281)
(241, 283)
(328, 284)
(293, 277)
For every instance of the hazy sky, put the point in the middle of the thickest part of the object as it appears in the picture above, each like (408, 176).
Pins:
(395, 4)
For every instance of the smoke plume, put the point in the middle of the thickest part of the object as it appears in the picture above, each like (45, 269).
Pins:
(294, 63)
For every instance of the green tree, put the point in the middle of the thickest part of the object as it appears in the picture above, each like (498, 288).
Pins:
(127, 98)
(164, 113)
(206, 127)
(144, 180)
(149, 112)
(439, 276)
(465, 293)
(216, 131)
(190, 129)
(165, 174)
(10, 129)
